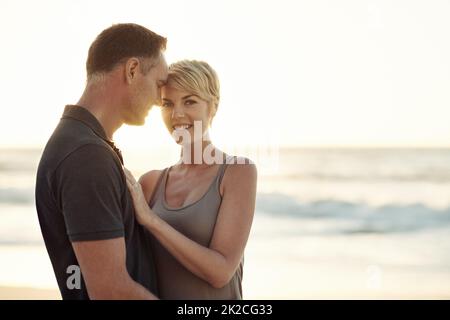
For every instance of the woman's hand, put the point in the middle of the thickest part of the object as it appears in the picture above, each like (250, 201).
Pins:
(144, 215)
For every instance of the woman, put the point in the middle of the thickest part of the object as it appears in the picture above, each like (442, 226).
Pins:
(200, 210)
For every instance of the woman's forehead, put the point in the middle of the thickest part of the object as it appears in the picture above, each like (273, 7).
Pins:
(169, 90)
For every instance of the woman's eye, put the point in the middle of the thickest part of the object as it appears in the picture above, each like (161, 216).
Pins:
(190, 102)
(166, 104)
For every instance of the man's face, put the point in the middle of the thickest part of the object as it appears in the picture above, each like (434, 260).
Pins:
(146, 91)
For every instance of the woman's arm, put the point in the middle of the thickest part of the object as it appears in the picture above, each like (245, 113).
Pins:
(219, 262)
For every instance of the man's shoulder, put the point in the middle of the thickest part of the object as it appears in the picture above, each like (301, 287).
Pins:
(71, 135)
(70, 139)
(90, 157)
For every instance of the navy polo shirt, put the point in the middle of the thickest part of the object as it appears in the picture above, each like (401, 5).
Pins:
(81, 195)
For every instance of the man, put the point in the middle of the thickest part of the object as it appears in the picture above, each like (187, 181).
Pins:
(84, 207)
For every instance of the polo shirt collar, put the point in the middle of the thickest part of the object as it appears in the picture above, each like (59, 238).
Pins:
(81, 114)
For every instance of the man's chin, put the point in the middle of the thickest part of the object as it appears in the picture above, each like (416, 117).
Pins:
(136, 122)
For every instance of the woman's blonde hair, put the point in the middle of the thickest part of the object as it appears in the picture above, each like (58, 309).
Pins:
(196, 77)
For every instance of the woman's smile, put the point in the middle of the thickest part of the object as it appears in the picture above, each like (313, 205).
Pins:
(182, 126)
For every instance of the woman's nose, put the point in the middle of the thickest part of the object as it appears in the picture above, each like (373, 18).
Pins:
(177, 112)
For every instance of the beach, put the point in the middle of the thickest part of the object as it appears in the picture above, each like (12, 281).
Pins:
(19, 293)
(329, 224)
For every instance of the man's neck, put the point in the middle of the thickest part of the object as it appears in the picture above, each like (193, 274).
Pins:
(104, 109)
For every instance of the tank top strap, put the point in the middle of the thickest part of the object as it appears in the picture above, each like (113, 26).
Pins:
(159, 187)
(221, 172)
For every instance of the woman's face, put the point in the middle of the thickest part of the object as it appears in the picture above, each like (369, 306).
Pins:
(181, 109)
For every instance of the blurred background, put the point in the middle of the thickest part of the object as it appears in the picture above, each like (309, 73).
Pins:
(343, 105)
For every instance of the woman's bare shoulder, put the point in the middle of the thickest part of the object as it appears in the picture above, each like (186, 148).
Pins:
(148, 182)
(241, 167)
(239, 170)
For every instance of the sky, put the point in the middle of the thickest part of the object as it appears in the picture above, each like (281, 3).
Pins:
(293, 73)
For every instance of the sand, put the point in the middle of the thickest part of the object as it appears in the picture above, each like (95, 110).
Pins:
(19, 293)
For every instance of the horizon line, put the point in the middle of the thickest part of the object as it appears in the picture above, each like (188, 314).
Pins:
(283, 147)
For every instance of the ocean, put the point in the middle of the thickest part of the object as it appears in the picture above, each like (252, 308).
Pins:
(330, 223)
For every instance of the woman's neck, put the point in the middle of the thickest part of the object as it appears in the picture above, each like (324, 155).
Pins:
(200, 153)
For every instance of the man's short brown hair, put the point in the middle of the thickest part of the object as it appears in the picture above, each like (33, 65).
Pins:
(122, 41)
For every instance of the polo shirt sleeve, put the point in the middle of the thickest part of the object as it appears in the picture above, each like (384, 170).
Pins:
(90, 185)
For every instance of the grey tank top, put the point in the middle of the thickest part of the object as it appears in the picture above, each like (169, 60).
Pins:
(196, 221)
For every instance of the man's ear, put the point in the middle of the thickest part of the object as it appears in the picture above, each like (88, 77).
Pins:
(131, 69)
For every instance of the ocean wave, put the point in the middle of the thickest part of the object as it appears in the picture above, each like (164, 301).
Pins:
(355, 218)
(295, 217)
(16, 196)
(19, 160)
(438, 177)
(20, 241)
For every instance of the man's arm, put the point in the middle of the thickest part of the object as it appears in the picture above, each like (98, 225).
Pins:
(90, 186)
(103, 265)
